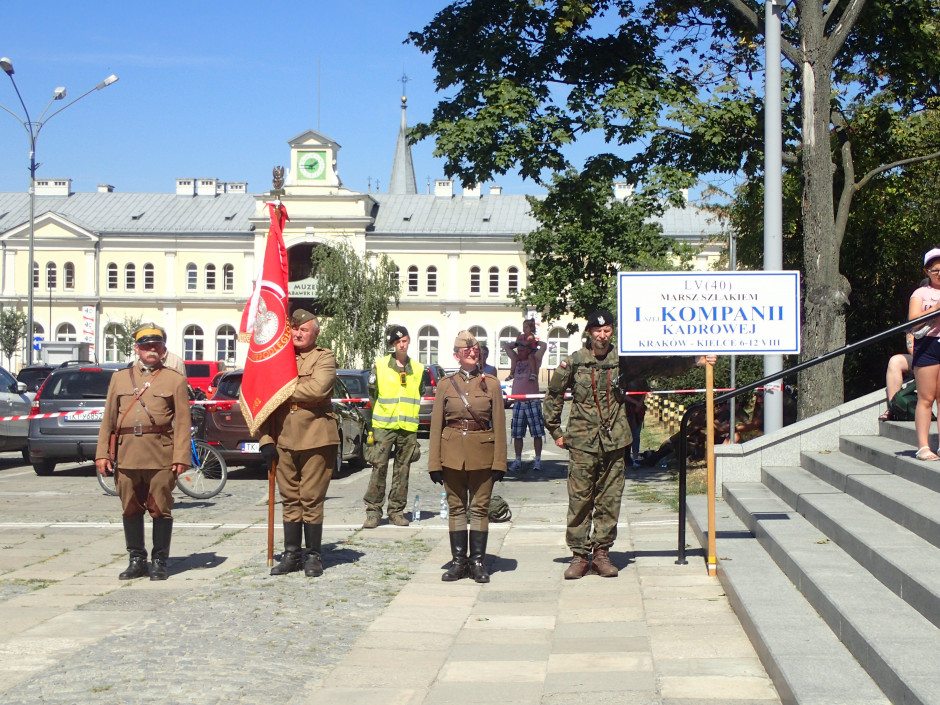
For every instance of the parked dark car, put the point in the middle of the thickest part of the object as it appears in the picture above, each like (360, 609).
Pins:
(357, 384)
(432, 375)
(199, 373)
(227, 431)
(13, 402)
(82, 391)
(33, 375)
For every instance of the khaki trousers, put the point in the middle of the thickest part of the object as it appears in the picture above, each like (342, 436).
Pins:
(303, 477)
(146, 491)
(468, 490)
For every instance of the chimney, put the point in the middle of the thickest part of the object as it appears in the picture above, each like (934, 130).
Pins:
(496, 190)
(206, 187)
(185, 187)
(105, 188)
(443, 188)
(53, 187)
(472, 192)
(622, 190)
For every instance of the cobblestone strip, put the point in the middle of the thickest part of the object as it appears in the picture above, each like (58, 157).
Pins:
(245, 638)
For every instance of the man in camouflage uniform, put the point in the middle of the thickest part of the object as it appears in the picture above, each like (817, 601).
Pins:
(395, 392)
(596, 437)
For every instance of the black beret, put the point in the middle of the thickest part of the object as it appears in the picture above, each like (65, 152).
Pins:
(601, 317)
(395, 333)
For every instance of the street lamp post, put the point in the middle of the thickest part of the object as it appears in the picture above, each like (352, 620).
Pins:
(32, 130)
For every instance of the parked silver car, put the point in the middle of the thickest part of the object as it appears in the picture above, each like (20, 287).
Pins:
(13, 402)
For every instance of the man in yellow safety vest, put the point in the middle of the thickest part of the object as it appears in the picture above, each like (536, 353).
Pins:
(395, 391)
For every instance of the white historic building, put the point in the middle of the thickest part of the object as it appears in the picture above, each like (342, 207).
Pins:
(187, 259)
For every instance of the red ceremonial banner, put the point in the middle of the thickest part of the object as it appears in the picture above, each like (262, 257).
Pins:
(271, 367)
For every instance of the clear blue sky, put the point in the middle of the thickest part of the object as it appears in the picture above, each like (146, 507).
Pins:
(214, 89)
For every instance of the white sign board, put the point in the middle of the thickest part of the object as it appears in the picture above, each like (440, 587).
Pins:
(692, 313)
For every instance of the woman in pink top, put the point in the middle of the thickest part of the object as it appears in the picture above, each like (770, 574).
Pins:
(926, 359)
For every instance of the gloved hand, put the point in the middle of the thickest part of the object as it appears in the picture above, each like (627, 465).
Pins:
(268, 454)
(437, 477)
(498, 475)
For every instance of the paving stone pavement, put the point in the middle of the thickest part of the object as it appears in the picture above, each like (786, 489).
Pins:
(378, 627)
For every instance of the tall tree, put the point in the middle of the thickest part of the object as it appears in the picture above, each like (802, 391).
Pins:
(124, 335)
(353, 294)
(670, 85)
(12, 326)
(583, 239)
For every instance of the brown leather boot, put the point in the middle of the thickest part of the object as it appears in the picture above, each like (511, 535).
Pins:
(578, 567)
(372, 520)
(602, 565)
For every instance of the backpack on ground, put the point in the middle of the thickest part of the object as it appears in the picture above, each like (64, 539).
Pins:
(903, 403)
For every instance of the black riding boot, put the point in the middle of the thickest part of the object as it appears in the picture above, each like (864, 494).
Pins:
(290, 559)
(458, 549)
(162, 532)
(134, 538)
(478, 557)
(313, 536)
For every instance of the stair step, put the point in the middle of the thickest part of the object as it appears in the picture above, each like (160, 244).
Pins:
(893, 456)
(900, 500)
(805, 660)
(904, 432)
(902, 561)
(889, 638)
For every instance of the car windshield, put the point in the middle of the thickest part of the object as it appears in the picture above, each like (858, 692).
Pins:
(32, 378)
(7, 381)
(355, 384)
(229, 386)
(78, 384)
(197, 369)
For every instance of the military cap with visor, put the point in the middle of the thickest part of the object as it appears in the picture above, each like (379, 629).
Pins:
(149, 333)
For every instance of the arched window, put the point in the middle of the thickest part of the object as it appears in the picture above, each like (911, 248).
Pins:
(210, 277)
(192, 342)
(35, 275)
(50, 276)
(113, 333)
(428, 340)
(494, 280)
(412, 279)
(474, 281)
(112, 276)
(394, 278)
(192, 277)
(228, 277)
(38, 329)
(512, 280)
(225, 338)
(65, 333)
(148, 277)
(506, 335)
(557, 347)
(68, 273)
(130, 277)
(432, 279)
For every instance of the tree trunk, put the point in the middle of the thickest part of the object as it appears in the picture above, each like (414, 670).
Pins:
(825, 290)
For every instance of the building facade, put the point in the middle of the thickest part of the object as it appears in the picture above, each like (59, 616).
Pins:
(187, 259)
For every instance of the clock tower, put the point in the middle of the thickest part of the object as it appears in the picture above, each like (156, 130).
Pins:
(313, 162)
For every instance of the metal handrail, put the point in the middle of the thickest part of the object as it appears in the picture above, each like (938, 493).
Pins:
(683, 426)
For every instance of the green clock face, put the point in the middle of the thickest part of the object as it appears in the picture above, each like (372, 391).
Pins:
(311, 166)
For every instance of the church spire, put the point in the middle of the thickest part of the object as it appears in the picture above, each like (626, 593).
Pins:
(403, 171)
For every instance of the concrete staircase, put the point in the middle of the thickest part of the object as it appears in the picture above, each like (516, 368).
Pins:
(855, 529)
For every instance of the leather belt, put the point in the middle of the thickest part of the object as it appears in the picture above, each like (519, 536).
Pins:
(139, 430)
(467, 425)
(309, 406)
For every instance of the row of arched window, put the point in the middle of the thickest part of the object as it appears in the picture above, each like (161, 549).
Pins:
(429, 350)
(193, 343)
(210, 278)
(492, 285)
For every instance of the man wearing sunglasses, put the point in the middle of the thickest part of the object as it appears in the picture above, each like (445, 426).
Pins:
(395, 391)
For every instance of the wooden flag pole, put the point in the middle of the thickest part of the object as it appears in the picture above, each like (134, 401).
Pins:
(271, 473)
(710, 464)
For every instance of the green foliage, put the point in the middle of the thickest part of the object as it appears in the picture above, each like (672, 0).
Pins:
(12, 327)
(583, 239)
(125, 336)
(353, 294)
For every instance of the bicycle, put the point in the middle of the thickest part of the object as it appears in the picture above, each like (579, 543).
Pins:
(205, 477)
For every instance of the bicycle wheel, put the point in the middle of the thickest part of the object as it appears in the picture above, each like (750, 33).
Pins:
(208, 474)
(107, 483)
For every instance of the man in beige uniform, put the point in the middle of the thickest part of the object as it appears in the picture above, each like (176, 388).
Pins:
(305, 442)
(148, 411)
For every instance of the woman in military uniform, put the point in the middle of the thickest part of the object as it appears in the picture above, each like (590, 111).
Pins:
(467, 455)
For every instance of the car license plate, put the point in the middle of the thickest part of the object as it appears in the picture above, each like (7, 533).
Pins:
(85, 415)
(250, 448)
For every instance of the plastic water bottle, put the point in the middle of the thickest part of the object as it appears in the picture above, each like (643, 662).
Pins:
(444, 506)
(416, 510)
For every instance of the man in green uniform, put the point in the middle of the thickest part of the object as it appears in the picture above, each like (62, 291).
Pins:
(395, 391)
(596, 436)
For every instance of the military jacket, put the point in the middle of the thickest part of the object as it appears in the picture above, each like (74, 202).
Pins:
(167, 399)
(460, 449)
(307, 419)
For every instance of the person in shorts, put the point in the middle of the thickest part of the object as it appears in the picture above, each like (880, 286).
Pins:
(526, 356)
(926, 359)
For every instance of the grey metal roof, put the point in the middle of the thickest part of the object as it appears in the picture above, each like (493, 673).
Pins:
(432, 215)
(136, 212)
